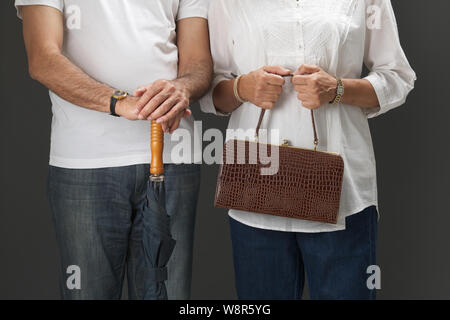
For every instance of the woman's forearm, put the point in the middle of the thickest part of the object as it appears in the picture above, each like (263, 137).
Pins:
(316, 88)
(223, 97)
(360, 93)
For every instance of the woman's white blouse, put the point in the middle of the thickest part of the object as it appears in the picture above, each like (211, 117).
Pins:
(337, 35)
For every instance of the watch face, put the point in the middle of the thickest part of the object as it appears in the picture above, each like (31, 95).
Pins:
(340, 89)
(120, 94)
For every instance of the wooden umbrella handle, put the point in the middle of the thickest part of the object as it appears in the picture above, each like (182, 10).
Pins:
(157, 147)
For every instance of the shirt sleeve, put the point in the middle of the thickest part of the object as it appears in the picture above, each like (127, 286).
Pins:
(193, 9)
(57, 4)
(221, 51)
(390, 72)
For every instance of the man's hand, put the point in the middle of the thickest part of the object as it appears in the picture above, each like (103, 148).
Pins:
(315, 87)
(125, 108)
(264, 86)
(165, 101)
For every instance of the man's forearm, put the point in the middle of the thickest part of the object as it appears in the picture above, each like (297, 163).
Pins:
(167, 101)
(61, 76)
(196, 77)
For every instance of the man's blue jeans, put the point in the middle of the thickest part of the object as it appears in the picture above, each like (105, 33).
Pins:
(271, 264)
(98, 220)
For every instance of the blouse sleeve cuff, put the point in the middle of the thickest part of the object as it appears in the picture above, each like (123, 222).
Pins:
(379, 90)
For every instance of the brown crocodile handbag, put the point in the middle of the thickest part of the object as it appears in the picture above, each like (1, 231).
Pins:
(307, 185)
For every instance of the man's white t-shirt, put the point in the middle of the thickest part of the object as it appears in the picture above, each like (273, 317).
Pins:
(123, 44)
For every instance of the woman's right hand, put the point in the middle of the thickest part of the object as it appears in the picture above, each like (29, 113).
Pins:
(264, 86)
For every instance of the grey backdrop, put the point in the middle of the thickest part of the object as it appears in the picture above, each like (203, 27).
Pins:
(413, 159)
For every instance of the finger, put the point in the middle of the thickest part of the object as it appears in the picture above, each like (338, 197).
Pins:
(164, 127)
(271, 97)
(279, 70)
(300, 88)
(300, 79)
(172, 121)
(274, 89)
(178, 108)
(153, 104)
(148, 95)
(139, 91)
(187, 113)
(307, 69)
(172, 114)
(270, 90)
(274, 79)
(165, 107)
(302, 97)
(175, 125)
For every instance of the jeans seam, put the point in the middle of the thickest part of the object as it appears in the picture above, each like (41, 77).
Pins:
(131, 259)
(297, 276)
(371, 295)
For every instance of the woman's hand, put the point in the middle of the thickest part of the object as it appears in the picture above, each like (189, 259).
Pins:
(315, 87)
(264, 86)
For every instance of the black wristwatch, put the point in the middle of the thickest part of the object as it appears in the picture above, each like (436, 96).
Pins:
(117, 95)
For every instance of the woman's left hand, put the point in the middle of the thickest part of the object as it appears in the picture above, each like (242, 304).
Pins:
(315, 87)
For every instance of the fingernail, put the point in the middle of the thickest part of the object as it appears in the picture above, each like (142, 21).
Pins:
(159, 121)
(136, 111)
(140, 117)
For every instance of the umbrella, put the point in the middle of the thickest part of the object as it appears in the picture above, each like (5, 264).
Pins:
(157, 240)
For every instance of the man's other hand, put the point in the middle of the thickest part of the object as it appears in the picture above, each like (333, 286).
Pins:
(164, 101)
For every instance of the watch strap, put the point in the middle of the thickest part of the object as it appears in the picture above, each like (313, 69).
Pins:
(112, 106)
(339, 92)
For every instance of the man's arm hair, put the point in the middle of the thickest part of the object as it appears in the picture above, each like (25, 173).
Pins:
(195, 63)
(43, 30)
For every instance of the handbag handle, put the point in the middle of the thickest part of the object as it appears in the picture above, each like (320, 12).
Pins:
(316, 139)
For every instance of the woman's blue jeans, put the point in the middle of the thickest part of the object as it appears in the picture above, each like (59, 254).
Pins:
(272, 264)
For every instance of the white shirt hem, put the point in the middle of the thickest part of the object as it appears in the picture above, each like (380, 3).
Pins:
(124, 161)
(325, 228)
